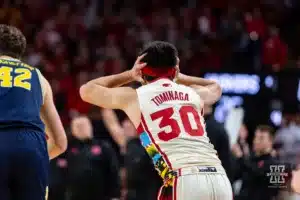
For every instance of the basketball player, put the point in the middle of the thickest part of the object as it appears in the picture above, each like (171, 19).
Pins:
(25, 97)
(168, 114)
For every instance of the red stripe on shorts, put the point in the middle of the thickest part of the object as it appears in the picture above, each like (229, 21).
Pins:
(159, 193)
(175, 189)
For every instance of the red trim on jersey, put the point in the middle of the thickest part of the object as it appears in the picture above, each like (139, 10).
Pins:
(140, 129)
(179, 172)
(159, 72)
(153, 141)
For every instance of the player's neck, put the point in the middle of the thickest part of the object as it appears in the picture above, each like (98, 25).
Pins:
(158, 78)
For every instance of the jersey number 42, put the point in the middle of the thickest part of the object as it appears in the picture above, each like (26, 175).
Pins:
(22, 74)
(167, 121)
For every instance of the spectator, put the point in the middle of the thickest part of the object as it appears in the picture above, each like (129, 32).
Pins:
(75, 104)
(48, 37)
(206, 22)
(287, 141)
(255, 24)
(256, 29)
(142, 181)
(244, 146)
(58, 178)
(93, 169)
(242, 140)
(10, 13)
(274, 51)
(253, 169)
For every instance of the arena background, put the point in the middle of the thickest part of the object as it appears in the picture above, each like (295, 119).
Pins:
(250, 47)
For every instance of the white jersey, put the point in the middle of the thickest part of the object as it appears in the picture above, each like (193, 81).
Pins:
(172, 127)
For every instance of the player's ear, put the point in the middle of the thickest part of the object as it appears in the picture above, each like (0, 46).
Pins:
(177, 70)
(176, 73)
(177, 66)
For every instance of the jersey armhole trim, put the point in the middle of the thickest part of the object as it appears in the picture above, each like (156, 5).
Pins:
(140, 107)
(42, 83)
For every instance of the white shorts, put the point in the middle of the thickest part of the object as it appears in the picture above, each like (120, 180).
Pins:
(198, 183)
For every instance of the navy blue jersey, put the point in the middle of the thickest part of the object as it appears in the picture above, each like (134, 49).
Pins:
(20, 96)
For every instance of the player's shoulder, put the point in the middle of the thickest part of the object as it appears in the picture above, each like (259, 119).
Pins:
(187, 89)
(25, 65)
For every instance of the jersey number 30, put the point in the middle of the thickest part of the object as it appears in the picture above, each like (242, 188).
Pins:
(22, 74)
(167, 121)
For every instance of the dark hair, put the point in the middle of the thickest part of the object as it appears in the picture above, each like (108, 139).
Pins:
(12, 41)
(160, 54)
(266, 128)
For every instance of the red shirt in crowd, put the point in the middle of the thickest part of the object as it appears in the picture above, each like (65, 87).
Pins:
(256, 25)
(75, 102)
(274, 52)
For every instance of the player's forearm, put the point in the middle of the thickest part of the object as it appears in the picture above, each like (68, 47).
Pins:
(113, 80)
(192, 80)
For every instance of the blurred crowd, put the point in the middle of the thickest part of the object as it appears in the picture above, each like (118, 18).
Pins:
(73, 41)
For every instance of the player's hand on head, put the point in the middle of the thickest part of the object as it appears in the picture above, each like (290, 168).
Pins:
(136, 71)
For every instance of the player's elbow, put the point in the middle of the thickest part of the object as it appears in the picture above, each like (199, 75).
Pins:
(62, 145)
(57, 146)
(85, 92)
(217, 90)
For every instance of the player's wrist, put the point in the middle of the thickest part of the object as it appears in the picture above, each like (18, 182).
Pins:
(130, 75)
